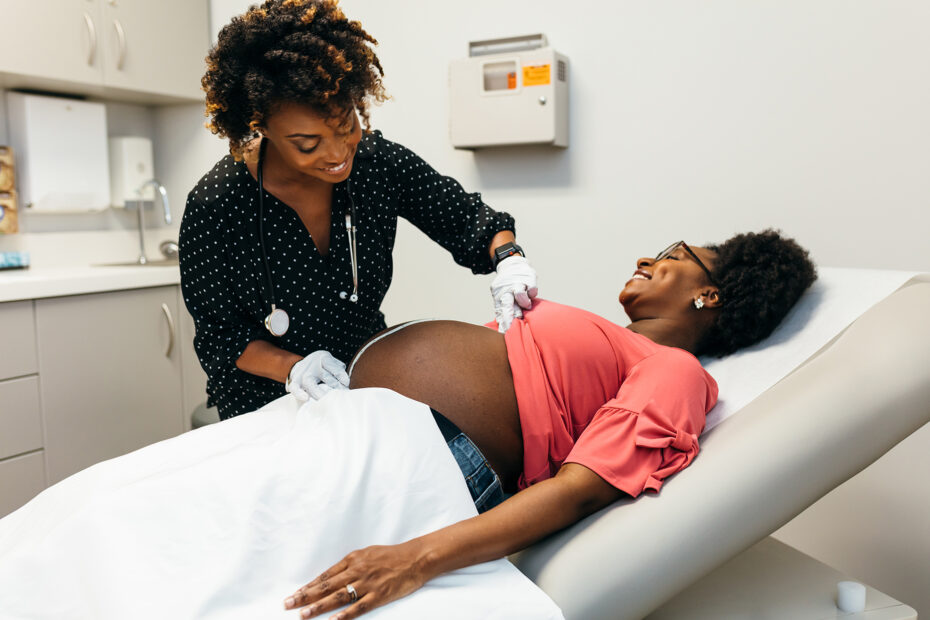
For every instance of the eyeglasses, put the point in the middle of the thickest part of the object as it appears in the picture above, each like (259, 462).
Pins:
(681, 244)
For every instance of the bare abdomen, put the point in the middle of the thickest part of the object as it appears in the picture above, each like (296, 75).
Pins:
(460, 370)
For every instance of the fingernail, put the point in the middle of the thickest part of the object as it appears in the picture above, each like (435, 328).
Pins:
(289, 602)
(308, 612)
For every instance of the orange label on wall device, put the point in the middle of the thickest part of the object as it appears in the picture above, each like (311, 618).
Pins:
(536, 75)
(511, 80)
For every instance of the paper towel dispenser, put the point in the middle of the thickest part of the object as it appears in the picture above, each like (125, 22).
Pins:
(130, 167)
(509, 91)
(62, 162)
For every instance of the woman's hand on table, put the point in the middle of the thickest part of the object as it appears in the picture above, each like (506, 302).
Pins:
(363, 580)
(381, 574)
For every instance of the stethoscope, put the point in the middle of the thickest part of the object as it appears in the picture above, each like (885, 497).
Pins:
(278, 321)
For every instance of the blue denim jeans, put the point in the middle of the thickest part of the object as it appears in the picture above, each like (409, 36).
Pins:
(483, 483)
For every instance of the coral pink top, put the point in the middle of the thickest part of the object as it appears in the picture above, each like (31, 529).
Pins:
(597, 394)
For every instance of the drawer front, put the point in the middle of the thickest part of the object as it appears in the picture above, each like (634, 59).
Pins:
(17, 339)
(20, 425)
(21, 479)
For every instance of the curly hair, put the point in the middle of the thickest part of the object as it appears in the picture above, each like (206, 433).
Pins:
(760, 277)
(288, 51)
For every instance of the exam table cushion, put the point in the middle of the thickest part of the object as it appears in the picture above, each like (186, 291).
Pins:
(837, 298)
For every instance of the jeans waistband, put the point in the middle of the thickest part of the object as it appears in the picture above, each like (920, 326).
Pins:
(447, 428)
(483, 483)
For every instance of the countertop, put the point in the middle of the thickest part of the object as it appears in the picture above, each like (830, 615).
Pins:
(39, 282)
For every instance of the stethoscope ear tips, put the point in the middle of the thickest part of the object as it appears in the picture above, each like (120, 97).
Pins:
(344, 295)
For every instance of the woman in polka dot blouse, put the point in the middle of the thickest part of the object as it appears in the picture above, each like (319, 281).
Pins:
(288, 84)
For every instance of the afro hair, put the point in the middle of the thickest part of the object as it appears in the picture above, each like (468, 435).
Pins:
(760, 277)
(288, 51)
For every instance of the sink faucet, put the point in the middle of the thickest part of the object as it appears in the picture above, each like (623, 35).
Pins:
(163, 194)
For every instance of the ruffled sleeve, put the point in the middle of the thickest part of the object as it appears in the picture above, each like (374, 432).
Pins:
(677, 447)
(650, 430)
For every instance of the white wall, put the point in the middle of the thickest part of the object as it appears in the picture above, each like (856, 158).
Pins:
(689, 120)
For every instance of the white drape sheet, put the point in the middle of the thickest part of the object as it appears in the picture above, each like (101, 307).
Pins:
(227, 520)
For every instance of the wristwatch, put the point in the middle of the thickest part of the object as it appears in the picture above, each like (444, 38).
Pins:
(508, 249)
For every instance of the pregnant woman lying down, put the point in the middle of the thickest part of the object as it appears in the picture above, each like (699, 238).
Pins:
(566, 412)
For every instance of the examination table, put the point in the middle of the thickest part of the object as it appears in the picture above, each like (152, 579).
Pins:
(863, 391)
(229, 518)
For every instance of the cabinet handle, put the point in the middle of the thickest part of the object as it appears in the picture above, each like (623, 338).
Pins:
(92, 33)
(121, 38)
(170, 320)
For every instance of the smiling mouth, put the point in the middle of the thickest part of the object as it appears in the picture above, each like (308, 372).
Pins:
(639, 274)
(338, 169)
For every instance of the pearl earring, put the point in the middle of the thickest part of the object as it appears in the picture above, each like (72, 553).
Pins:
(699, 303)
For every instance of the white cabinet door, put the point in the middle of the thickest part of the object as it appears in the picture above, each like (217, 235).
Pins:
(17, 339)
(135, 50)
(110, 375)
(156, 47)
(52, 39)
(21, 479)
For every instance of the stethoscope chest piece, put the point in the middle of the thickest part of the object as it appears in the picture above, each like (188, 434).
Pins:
(277, 322)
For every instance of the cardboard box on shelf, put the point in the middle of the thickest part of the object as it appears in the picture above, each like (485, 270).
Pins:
(7, 170)
(8, 219)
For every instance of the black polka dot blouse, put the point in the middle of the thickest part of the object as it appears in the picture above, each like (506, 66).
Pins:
(223, 279)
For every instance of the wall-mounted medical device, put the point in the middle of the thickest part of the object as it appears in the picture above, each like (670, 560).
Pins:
(509, 91)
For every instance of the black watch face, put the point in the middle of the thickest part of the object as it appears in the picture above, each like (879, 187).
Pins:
(508, 249)
(505, 251)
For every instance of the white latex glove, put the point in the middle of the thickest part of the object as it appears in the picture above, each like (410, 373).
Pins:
(513, 290)
(315, 375)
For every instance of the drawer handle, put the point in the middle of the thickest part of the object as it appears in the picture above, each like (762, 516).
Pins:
(170, 320)
(121, 38)
(92, 33)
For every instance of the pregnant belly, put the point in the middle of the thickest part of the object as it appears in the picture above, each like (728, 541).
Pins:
(460, 370)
